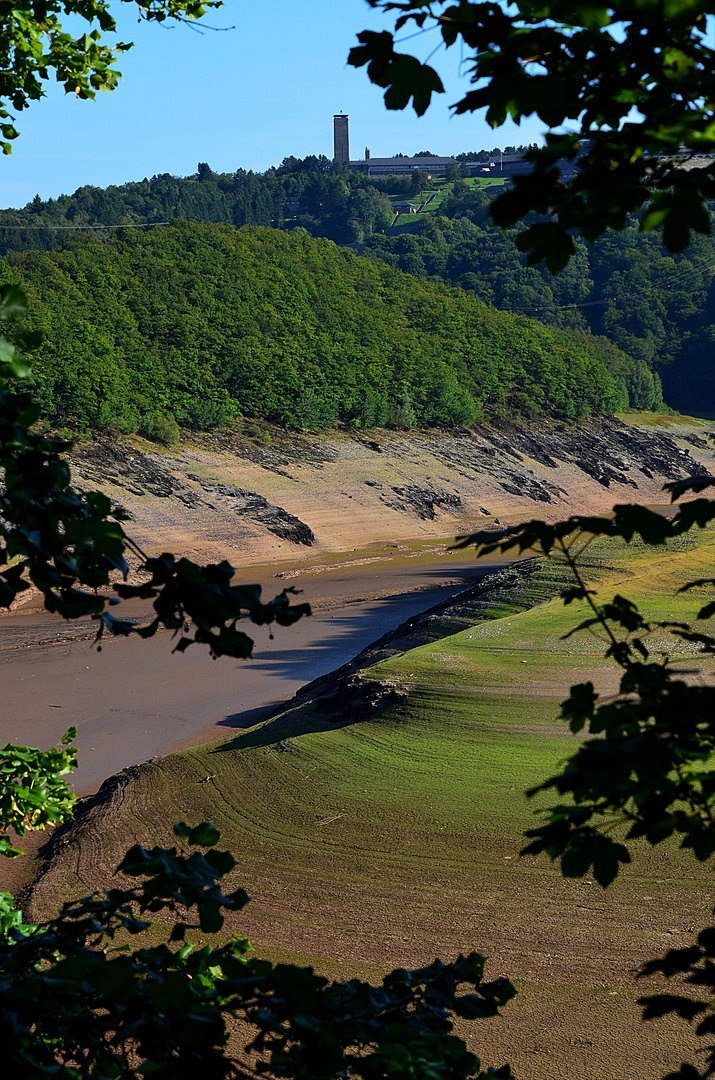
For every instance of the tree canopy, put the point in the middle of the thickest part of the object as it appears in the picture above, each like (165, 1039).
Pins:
(626, 92)
(209, 322)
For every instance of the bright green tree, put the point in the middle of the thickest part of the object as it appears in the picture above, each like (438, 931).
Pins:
(35, 44)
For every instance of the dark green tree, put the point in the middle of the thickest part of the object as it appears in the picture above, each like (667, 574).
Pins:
(418, 181)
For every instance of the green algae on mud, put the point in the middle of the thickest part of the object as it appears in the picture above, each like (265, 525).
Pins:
(392, 840)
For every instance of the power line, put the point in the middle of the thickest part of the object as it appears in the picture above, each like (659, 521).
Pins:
(78, 228)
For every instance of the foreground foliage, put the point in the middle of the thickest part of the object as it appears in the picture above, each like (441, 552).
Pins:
(626, 92)
(36, 43)
(76, 1000)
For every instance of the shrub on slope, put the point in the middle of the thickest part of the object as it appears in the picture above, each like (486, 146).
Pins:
(206, 322)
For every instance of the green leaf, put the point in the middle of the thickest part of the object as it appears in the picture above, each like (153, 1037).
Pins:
(210, 917)
(13, 302)
(204, 835)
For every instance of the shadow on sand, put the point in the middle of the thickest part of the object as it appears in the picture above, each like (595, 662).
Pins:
(350, 634)
(332, 654)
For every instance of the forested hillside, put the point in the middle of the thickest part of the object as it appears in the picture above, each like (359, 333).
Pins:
(324, 198)
(206, 322)
(657, 308)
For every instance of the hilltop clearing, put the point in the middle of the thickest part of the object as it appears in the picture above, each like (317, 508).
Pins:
(201, 324)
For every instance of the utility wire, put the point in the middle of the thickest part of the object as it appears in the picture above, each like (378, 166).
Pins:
(78, 228)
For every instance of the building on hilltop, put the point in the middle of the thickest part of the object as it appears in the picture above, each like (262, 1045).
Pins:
(370, 166)
(401, 166)
(341, 139)
(501, 165)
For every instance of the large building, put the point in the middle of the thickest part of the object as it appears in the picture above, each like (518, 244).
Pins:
(502, 165)
(392, 166)
(341, 140)
(401, 166)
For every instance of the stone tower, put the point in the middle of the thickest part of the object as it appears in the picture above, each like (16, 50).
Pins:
(341, 141)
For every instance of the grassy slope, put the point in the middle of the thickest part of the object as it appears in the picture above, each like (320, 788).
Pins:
(388, 842)
(441, 188)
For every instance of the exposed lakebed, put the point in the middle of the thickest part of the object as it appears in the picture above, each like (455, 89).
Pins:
(135, 699)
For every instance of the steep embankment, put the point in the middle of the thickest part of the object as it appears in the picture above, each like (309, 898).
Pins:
(302, 498)
(206, 322)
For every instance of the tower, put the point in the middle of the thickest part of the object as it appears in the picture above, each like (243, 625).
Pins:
(341, 141)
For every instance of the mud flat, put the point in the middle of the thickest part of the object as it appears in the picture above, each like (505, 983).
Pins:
(358, 522)
(135, 699)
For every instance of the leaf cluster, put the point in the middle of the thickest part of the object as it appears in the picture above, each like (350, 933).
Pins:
(35, 45)
(75, 1003)
(626, 91)
(33, 793)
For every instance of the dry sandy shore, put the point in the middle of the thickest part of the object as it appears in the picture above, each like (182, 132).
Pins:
(303, 499)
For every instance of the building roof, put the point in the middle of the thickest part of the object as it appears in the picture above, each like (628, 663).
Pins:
(402, 161)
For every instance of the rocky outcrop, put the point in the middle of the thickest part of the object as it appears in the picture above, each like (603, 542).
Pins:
(252, 505)
(146, 474)
(244, 497)
(603, 448)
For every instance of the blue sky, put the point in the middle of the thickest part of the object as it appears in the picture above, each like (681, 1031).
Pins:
(243, 98)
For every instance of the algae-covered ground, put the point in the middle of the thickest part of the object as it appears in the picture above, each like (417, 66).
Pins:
(392, 840)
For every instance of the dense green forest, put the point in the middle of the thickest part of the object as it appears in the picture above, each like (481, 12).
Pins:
(659, 309)
(206, 322)
(315, 194)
